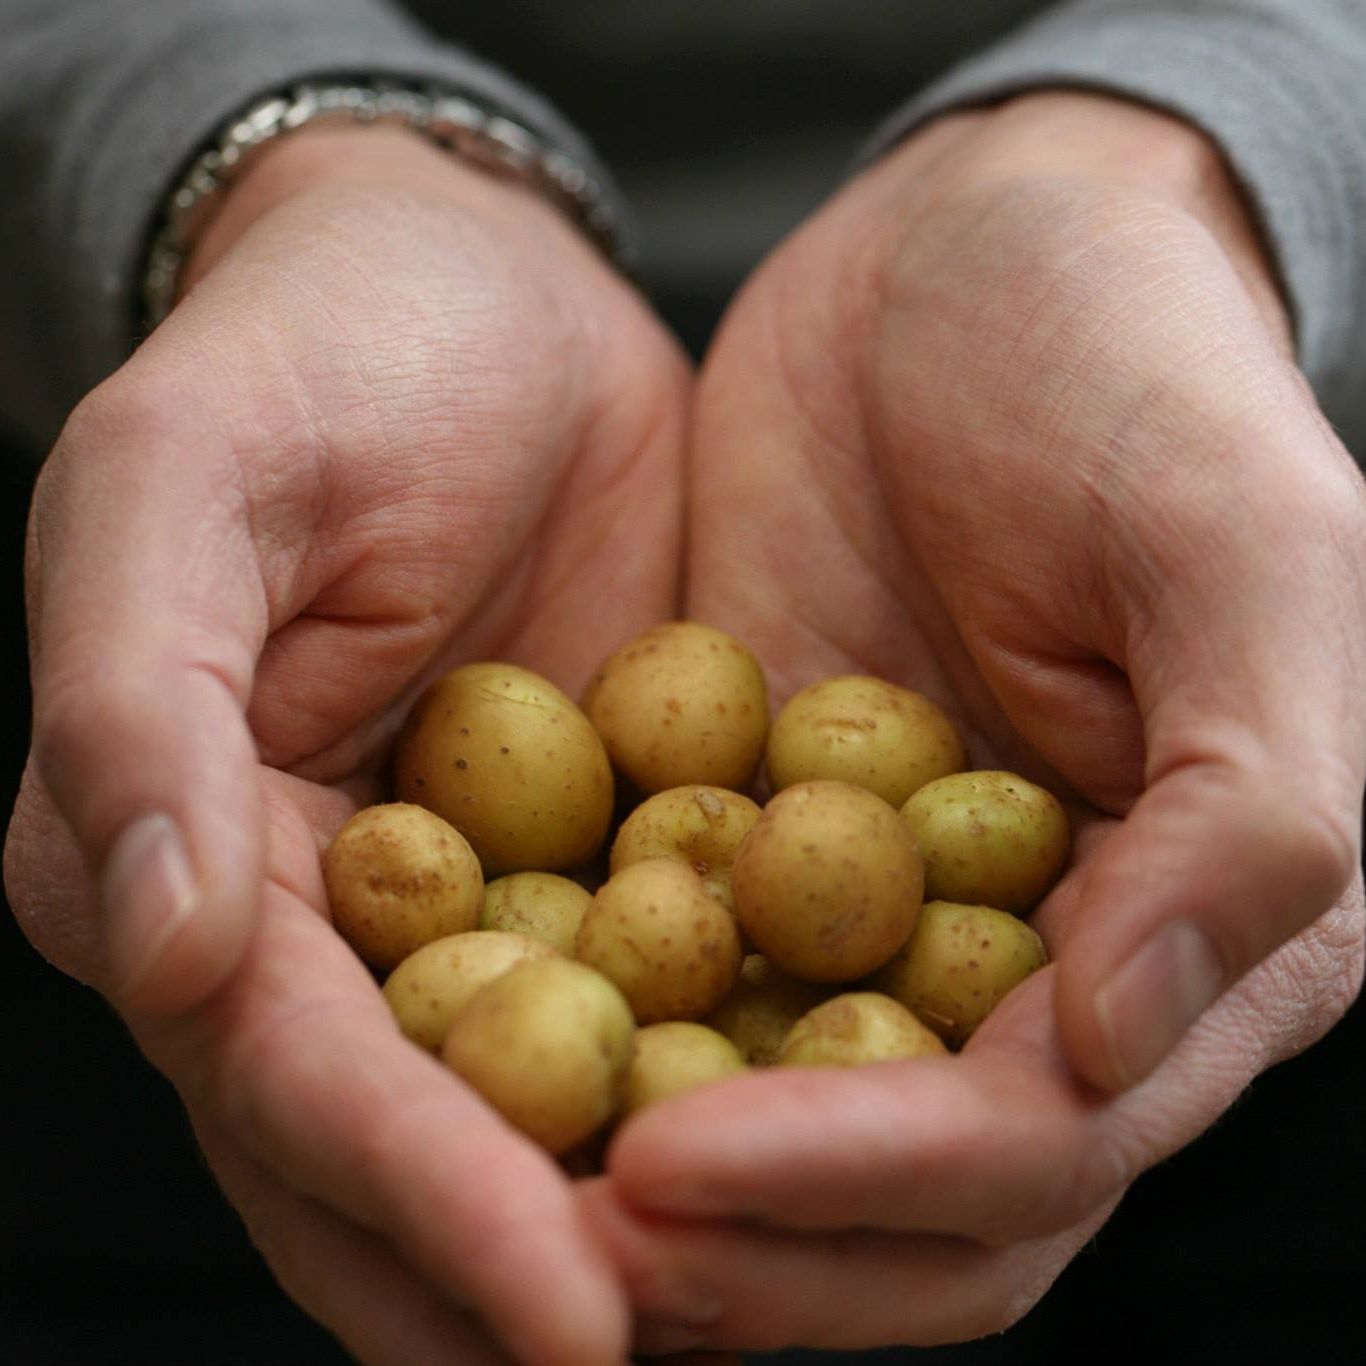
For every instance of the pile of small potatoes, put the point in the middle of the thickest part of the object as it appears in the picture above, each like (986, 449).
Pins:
(870, 910)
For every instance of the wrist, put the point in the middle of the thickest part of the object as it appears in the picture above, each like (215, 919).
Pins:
(388, 158)
(1111, 141)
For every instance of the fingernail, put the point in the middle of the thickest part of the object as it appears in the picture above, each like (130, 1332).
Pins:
(147, 892)
(1150, 1002)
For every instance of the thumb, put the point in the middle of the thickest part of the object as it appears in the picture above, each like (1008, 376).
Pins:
(146, 612)
(1248, 829)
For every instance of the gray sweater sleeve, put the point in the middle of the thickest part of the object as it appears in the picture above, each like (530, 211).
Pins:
(1280, 85)
(102, 102)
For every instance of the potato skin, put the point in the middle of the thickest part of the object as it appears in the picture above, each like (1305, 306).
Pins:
(671, 947)
(702, 826)
(989, 838)
(864, 731)
(397, 877)
(547, 1045)
(675, 1056)
(513, 764)
(683, 703)
(854, 1028)
(761, 1009)
(430, 986)
(545, 906)
(828, 882)
(959, 962)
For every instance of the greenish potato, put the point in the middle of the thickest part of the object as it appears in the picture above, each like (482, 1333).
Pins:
(989, 838)
(667, 943)
(681, 704)
(828, 882)
(701, 826)
(959, 962)
(675, 1056)
(864, 731)
(397, 877)
(547, 1045)
(431, 986)
(513, 764)
(761, 1009)
(854, 1028)
(543, 905)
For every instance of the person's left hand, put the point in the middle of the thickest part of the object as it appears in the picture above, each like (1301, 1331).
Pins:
(1012, 421)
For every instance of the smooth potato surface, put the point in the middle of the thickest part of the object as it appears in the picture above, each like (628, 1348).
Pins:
(675, 1056)
(548, 1045)
(543, 905)
(828, 883)
(761, 1009)
(397, 877)
(429, 987)
(655, 930)
(681, 704)
(855, 1028)
(513, 764)
(864, 731)
(989, 838)
(959, 962)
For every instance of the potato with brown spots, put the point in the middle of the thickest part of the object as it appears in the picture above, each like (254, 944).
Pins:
(543, 905)
(513, 764)
(702, 826)
(675, 1056)
(828, 882)
(683, 703)
(855, 1028)
(958, 964)
(672, 947)
(398, 877)
(429, 988)
(989, 838)
(547, 1045)
(864, 731)
(761, 1009)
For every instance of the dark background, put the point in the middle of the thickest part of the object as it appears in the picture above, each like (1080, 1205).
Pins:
(115, 1249)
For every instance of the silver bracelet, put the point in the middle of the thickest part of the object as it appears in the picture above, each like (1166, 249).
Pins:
(482, 136)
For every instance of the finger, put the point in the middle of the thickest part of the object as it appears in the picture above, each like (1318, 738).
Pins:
(769, 1289)
(347, 1279)
(302, 1062)
(146, 612)
(1248, 678)
(997, 1144)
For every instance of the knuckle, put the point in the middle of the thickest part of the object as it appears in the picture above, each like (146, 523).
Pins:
(1324, 843)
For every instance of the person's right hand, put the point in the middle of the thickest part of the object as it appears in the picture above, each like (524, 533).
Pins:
(405, 418)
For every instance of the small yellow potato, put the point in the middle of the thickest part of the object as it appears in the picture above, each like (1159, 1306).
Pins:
(672, 947)
(863, 731)
(674, 1056)
(761, 1009)
(398, 877)
(702, 826)
(542, 905)
(958, 963)
(513, 764)
(989, 838)
(683, 703)
(828, 883)
(427, 990)
(854, 1028)
(547, 1045)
